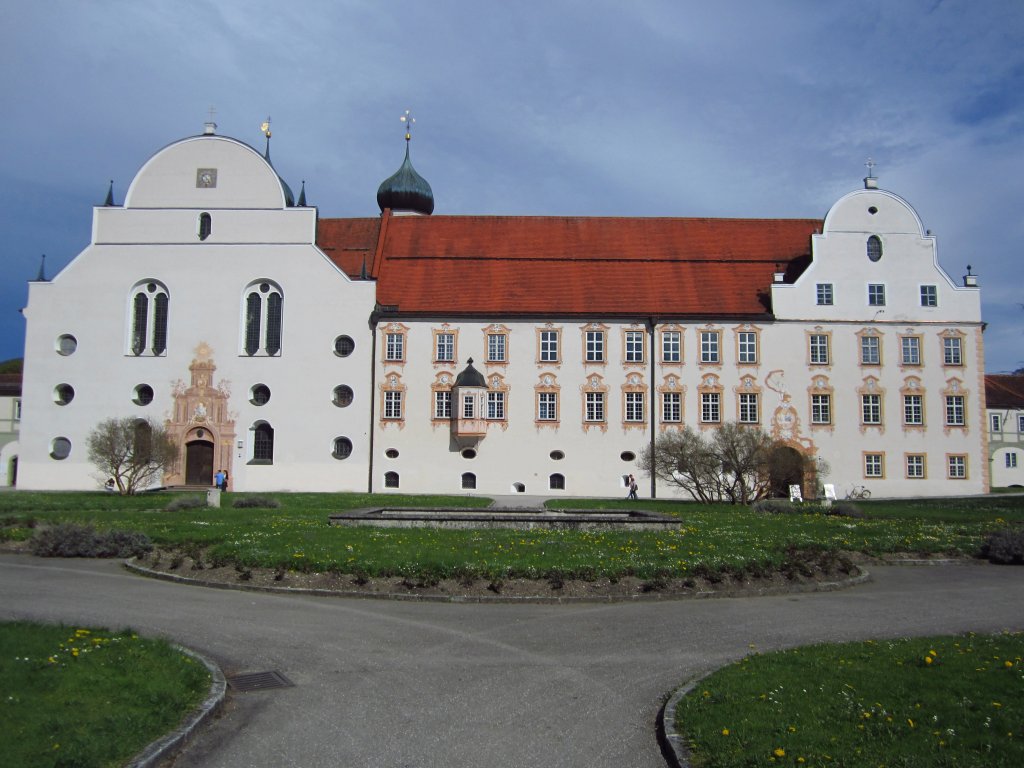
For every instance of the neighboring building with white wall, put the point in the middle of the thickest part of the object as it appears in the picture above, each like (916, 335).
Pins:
(10, 424)
(1005, 418)
(335, 354)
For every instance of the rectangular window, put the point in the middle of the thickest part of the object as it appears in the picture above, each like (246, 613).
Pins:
(870, 353)
(873, 466)
(547, 406)
(1020, 419)
(634, 406)
(957, 467)
(17, 409)
(496, 405)
(392, 405)
(749, 411)
(671, 347)
(997, 422)
(595, 406)
(709, 347)
(671, 407)
(1011, 460)
(747, 342)
(442, 405)
(395, 349)
(915, 466)
(595, 346)
(468, 406)
(876, 295)
(871, 409)
(710, 407)
(955, 410)
(634, 346)
(821, 409)
(952, 352)
(824, 293)
(929, 296)
(549, 346)
(496, 348)
(445, 347)
(819, 349)
(910, 347)
(913, 410)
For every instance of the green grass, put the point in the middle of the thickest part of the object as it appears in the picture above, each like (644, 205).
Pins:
(717, 538)
(87, 696)
(927, 702)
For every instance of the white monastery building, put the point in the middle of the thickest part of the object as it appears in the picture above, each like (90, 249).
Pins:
(414, 352)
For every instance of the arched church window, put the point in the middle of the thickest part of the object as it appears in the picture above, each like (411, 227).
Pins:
(390, 479)
(150, 307)
(469, 481)
(556, 482)
(263, 443)
(263, 315)
(205, 226)
(874, 248)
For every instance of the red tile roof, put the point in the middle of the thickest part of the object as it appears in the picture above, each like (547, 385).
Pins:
(10, 384)
(507, 265)
(1004, 391)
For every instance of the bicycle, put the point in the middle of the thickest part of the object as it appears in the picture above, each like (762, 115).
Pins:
(858, 492)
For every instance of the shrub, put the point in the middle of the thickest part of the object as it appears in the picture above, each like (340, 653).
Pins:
(71, 540)
(845, 509)
(255, 502)
(774, 507)
(1005, 547)
(185, 502)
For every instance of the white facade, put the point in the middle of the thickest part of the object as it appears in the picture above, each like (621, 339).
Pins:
(81, 330)
(865, 357)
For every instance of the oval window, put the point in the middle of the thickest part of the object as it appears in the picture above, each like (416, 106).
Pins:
(342, 448)
(66, 344)
(627, 456)
(343, 396)
(143, 395)
(343, 346)
(874, 248)
(391, 453)
(469, 453)
(63, 394)
(60, 448)
(557, 455)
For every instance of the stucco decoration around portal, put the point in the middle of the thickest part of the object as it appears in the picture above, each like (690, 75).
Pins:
(201, 423)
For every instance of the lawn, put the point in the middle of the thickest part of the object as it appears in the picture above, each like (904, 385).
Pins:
(924, 702)
(717, 538)
(86, 696)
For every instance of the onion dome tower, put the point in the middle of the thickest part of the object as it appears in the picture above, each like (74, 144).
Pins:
(406, 191)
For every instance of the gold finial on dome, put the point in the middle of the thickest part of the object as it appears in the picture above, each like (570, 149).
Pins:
(408, 119)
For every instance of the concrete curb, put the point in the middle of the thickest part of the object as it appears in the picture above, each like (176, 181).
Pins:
(823, 586)
(179, 737)
(672, 743)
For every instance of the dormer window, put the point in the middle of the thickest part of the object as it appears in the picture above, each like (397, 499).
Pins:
(874, 248)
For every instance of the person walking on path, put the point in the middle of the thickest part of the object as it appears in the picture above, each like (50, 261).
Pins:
(632, 487)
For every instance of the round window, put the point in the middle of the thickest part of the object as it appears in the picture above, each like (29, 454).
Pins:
(343, 346)
(343, 396)
(260, 394)
(342, 448)
(143, 394)
(66, 344)
(60, 448)
(63, 394)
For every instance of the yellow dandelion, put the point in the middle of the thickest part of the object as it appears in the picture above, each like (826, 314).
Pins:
(779, 752)
(725, 731)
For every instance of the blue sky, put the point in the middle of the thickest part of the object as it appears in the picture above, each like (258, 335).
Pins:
(726, 109)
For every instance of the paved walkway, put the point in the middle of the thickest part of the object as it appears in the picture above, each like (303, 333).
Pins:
(382, 684)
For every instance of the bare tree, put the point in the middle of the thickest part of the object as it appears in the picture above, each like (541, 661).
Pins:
(132, 452)
(732, 464)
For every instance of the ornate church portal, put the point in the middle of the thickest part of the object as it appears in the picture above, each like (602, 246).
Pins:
(201, 424)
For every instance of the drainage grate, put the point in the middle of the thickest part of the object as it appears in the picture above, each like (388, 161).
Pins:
(259, 681)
